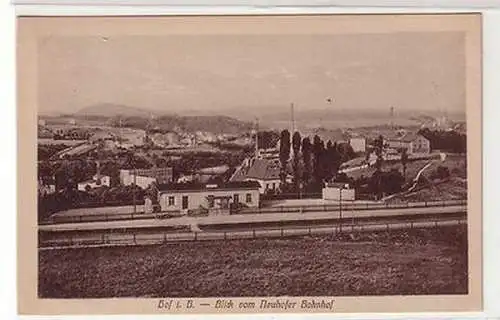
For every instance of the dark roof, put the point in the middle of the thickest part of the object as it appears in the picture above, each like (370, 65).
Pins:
(239, 175)
(338, 185)
(264, 169)
(204, 187)
(153, 172)
(351, 137)
(87, 181)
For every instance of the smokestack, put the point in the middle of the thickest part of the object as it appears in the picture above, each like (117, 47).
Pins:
(392, 117)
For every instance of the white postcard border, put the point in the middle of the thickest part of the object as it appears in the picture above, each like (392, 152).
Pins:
(491, 157)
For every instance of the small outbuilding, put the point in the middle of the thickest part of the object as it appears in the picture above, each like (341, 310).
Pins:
(338, 191)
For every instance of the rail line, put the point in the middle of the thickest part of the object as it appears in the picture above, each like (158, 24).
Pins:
(250, 218)
(262, 229)
(102, 214)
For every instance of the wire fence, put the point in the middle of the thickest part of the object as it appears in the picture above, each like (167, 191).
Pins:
(285, 196)
(350, 206)
(103, 238)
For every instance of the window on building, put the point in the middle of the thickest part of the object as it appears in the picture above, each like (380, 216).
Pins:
(236, 198)
(249, 197)
(171, 201)
(211, 201)
(185, 202)
(267, 186)
(274, 185)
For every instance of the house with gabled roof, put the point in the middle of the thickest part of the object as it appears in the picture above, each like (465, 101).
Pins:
(413, 143)
(264, 171)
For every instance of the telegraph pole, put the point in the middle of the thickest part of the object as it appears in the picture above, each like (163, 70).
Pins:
(135, 185)
(340, 208)
(132, 161)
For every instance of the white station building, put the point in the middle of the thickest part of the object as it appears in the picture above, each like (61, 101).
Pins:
(211, 198)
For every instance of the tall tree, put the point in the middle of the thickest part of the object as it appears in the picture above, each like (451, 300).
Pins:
(152, 192)
(284, 153)
(404, 161)
(330, 160)
(337, 158)
(306, 158)
(346, 152)
(324, 163)
(296, 141)
(379, 152)
(318, 148)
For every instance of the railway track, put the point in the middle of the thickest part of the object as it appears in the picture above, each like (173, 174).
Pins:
(127, 213)
(251, 230)
(283, 217)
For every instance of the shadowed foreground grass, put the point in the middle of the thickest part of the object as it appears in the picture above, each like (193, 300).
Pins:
(409, 263)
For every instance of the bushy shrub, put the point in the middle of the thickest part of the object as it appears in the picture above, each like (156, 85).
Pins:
(441, 172)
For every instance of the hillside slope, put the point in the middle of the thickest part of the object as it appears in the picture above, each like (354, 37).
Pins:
(112, 110)
(133, 117)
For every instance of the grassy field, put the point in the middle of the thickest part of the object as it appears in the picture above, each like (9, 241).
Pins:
(456, 165)
(412, 169)
(453, 189)
(413, 262)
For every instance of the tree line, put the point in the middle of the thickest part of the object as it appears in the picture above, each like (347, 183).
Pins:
(103, 196)
(450, 141)
(310, 163)
(313, 163)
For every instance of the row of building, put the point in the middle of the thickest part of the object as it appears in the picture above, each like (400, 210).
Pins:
(222, 198)
(140, 177)
(413, 143)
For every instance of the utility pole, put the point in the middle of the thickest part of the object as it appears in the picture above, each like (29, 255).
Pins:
(292, 115)
(120, 131)
(340, 208)
(132, 161)
(135, 185)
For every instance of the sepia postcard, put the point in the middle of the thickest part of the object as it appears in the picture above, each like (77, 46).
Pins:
(249, 164)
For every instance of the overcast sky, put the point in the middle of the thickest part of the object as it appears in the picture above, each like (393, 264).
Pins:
(419, 71)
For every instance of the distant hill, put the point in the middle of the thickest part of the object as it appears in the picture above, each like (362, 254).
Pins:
(113, 110)
(133, 117)
(215, 124)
